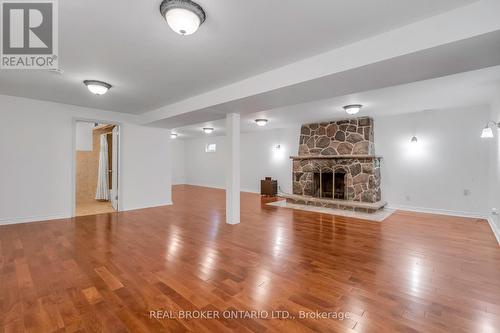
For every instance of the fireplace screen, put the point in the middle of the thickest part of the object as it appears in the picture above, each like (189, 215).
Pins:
(329, 185)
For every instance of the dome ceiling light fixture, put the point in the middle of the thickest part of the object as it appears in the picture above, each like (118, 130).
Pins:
(173, 135)
(352, 109)
(261, 122)
(208, 130)
(183, 16)
(97, 87)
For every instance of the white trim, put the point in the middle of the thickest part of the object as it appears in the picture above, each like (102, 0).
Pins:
(246, 190)
(168, 203)
(438, 211)
(204, 185)
(494, 228)
(31, 219)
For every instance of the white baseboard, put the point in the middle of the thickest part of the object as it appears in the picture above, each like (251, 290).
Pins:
(32, 219)
(247, 190)
(168, 203)
(206, 185)
(439, 211)
(43, 218)
(494, 227)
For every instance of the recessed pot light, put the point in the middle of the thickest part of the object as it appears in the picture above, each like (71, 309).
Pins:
(97, 87)
(353, 108)
(183, 16)
(261, 122)
(208, 130)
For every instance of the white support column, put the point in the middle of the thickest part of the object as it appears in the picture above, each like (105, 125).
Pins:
(233, 168)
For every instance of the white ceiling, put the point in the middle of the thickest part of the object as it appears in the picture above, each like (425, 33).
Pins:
(128, 44)
(466, 89)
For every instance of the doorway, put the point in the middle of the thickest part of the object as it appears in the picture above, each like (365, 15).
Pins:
(96, 168)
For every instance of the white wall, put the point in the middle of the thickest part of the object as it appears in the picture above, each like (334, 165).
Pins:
(432, 175)
(259, 159)
(146, 167)
(84, 136)
(205, 169)
(449, 158)
(178, 164)
(36, 152)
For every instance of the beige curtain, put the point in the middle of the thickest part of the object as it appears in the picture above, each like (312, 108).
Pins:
(102, 192)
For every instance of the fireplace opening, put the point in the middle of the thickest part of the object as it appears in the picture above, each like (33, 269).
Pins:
(323, 185)
(329, 185)
(339, 187)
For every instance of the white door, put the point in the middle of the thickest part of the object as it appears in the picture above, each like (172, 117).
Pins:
(114, 172)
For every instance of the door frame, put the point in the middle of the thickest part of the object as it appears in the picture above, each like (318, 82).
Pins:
(73, 160)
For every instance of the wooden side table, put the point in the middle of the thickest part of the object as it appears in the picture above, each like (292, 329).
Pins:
(269, 187)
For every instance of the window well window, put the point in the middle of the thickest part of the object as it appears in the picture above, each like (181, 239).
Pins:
(210, 148)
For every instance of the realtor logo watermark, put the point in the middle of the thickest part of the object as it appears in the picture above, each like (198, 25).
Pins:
(29, 33)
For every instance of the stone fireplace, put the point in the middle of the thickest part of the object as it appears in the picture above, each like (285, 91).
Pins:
(337, 167)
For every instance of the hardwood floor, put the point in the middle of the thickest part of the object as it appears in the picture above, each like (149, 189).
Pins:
(412, 273)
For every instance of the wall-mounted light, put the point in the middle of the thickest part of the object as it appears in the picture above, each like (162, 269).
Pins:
(97, 87)
(208, 130)
(183, 16)
(487, 131)
(352, 109)
(414, 140)
(278, 153)
(261, 122)
(173, 135)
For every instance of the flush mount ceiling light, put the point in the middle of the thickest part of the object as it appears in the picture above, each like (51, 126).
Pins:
(261, 122)
(208, 130)
(487, 131)
(173, 135)
(353, 108)
(97, 87)
(183, 16)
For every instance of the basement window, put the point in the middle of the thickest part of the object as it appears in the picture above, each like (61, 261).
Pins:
(210, 148)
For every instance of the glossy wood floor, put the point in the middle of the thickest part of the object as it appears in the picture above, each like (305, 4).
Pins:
(411, 273)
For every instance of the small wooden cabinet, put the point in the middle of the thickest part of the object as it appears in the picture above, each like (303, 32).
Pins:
(269, 187)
